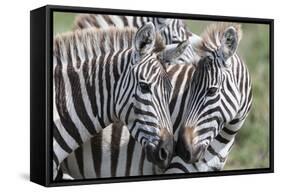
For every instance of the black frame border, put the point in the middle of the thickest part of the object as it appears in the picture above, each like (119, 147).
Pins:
(46, 158)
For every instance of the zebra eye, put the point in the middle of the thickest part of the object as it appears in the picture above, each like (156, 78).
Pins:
(211, 91)
(145, 87)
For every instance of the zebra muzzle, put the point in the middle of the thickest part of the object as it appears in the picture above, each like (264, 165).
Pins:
(186, 148)
(160, 153)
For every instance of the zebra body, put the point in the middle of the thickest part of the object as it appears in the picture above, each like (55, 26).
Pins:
(127, 158)
(106, 76)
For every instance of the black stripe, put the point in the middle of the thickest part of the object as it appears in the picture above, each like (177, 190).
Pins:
(128, 113)
(115, 146)
(213, 110)
(179, 117)
(210, 167)
(79, 157)
(78, 100)
(226, 109)
(96, 145)
(94, 22)
(125, 21)
(179, 81)
(212, 101)
(55, 158)
(206, 130)
(125, 103)
(228, 131)
(100, 81)
(234, 121)
(61, 105)
(230, 89)
(195, 166)
(60, 140)
(178, 166)
(144, 113)
(214, 153)
(108, 74)
(130, 150)
(152, 134)
(66, 166)
(215, 118)
(143, 101)
(221, 139)
(116, 74)
(152, 124)
(135, 24)
(77, 58)
(141, 163)
(90, 86)
(108, 20)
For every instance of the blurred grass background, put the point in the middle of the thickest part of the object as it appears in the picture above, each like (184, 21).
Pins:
(251, 149)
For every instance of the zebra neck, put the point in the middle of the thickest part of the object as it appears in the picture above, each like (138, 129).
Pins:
(106, 74)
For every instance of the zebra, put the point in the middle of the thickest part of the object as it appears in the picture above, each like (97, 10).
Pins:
(217, 84)
(172, 31)
(104, 76)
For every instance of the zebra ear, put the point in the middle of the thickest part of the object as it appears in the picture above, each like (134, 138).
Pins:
(145, 39)
(229, 42)
(173, 52)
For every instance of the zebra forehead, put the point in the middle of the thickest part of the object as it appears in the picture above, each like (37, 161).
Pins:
(212, 35)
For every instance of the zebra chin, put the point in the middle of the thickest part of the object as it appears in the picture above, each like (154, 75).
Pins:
(160, 153)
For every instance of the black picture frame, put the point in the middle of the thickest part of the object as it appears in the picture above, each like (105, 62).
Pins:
(41, 35)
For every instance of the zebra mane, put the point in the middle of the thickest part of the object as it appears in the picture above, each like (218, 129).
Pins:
(104, 40)
(82, 21)
(213, 34)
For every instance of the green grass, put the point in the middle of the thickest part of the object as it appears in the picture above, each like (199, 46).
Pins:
(251, 149)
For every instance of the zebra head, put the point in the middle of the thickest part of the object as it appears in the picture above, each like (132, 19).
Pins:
(214, 97)
(172, 30)
(144, 99)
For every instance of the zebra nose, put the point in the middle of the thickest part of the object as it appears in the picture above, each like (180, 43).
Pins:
(186, 149)
(161, 153)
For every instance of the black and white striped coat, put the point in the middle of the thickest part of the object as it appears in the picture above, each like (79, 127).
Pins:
(172, 31)
(120, 155)
(105, 76)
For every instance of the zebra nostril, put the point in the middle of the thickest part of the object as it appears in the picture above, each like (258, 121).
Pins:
(163, 154)
(187, 155)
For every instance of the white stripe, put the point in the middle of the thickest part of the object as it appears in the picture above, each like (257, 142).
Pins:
(117, 21)
(85, 135)
(56, 119)
(136, 160)
(101, 21)
(121, 167)
(60, 153)
(130, 21)
(73, 167)
(106, 152)
(89, 170)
